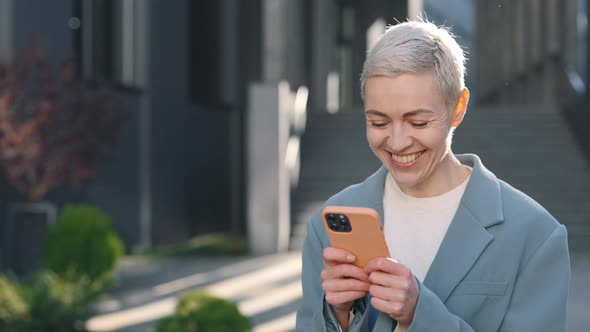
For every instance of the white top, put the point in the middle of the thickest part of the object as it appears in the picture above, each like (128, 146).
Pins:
(415, 227)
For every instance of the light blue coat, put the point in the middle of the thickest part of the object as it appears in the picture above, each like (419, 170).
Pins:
(502, 266)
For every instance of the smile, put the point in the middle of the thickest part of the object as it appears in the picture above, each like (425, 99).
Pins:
(406, 160)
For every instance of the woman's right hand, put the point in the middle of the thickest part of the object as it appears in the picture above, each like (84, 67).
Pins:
(342, 281)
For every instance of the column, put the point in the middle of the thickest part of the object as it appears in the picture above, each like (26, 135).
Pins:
(6, 15)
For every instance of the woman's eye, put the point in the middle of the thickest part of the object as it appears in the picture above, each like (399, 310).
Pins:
(378, 124)
(419, 124)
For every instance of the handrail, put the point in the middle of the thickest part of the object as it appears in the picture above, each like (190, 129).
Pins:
(576, 82)
(575, 109)
(570, 85)
(573, 88)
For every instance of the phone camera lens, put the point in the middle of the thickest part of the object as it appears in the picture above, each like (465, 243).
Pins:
(332, 221)
(338, 222)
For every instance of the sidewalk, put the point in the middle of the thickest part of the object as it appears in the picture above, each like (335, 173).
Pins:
(267, 289)
(579, 300)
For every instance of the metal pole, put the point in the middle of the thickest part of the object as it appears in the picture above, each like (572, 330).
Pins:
(6, 15)
(587, 51)
(145, 134)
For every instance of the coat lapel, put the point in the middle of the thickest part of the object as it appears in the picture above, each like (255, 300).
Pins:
(467, 236)
(463, 244)
(371, 192)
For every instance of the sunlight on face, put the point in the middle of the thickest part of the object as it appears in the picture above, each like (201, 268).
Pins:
(409, 130)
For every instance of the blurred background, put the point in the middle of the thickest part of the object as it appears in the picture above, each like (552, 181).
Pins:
(205, 133)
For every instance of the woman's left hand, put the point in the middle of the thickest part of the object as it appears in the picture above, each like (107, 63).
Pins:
(394, 289)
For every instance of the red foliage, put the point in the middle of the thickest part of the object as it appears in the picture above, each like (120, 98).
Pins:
(54, 129)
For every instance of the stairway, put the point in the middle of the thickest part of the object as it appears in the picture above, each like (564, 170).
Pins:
(533, 149)
(527, 146)
(334, 155)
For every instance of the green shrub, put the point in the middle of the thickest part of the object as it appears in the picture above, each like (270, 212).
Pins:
(13, 308)
(210, 245)
(57, 304)
(199, 312)
(83, 243)
(49, 304)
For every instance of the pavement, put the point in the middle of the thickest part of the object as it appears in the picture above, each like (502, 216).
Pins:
(266, 288)
(578, 317)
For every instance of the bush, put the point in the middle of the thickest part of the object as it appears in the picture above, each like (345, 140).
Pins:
(199, 312)
(210, 245)
(83, 244)
(49, 304)
(13, 308)
(57, 304)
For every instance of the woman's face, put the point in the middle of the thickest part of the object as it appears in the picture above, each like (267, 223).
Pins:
(408, 129)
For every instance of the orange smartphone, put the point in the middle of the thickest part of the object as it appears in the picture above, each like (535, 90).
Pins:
(357, 230)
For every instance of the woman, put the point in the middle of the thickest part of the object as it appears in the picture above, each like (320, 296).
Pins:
(469, 252)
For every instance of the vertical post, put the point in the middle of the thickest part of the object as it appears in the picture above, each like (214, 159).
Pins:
(5, 52)
(482, 88)
(6, 15)
(229, 77)
(552, 49)
(275, 37)
(322, 51)
(145, 132)
(87, 39)
(415, 8)
(268, 178)
(587, 52)
(145, 174)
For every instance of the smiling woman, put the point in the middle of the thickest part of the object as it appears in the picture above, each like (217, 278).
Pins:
(468, 252)
(407, 128)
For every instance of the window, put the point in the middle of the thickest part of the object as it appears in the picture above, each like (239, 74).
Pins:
(111, 41)
(205, 52)
(345, 54)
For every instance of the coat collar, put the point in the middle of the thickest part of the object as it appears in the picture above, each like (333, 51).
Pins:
(467, 236)
(485, 208)
(482, 195)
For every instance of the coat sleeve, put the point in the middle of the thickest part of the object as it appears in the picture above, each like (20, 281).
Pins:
(314, 314)
(538, 301)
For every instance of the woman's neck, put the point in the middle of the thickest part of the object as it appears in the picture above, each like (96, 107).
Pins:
(449, 174)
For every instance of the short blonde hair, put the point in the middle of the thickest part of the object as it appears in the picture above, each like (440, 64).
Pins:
(413, 47)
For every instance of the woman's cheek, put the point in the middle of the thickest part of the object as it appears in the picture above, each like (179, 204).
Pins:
(373, 139)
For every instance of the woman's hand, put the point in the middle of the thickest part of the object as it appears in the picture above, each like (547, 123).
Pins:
(394, 289)
(342, 281)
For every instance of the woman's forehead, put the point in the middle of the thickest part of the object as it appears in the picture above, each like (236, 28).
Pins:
(404, 93)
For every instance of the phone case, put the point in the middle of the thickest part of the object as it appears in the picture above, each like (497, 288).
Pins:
(365, 240)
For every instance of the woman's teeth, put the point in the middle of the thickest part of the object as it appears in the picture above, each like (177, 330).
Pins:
(406, 159)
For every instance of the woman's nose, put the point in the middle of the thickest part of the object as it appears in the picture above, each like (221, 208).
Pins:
(399, 139)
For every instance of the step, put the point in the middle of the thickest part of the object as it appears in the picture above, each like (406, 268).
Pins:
(530, 147)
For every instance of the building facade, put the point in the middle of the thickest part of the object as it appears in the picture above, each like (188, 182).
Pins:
(184, 70)
(530, 51)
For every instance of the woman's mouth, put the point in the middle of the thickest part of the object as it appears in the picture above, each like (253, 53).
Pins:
(405, 160)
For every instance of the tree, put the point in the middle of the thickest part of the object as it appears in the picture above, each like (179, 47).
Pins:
(55, 129)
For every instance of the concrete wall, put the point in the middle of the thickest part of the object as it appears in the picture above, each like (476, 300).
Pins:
(179, 169)
(523, 59)
(169, 108)
(115, 188)
(45, 21)
(459, 16)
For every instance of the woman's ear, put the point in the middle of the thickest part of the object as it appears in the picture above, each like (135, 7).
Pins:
(460, 108)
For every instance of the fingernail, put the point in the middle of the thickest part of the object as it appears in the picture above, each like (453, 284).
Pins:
(350, 258)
